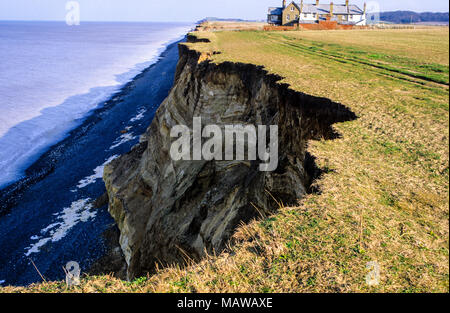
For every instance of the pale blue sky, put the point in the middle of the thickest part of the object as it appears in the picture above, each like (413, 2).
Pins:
(176, 10)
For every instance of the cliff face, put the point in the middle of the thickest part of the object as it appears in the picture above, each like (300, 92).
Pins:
(166, 209)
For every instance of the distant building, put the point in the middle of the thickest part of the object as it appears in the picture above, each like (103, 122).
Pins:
(302, 13)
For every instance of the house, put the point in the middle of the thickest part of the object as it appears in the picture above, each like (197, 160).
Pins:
(303, 13)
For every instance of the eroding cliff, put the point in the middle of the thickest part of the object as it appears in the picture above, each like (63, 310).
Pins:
(166, 209)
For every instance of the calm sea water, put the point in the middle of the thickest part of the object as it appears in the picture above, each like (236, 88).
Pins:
(52, 75)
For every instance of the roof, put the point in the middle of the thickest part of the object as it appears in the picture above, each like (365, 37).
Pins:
(322, 9)
(325, 9)
(275, 11)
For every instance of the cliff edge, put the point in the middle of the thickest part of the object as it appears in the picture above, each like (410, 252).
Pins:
(168, 210)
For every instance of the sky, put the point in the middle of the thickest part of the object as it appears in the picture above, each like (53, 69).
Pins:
(177, 10)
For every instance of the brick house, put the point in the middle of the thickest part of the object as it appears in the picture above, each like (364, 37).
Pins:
(302, 13)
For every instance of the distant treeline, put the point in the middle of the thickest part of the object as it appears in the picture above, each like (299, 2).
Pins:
(404, 17)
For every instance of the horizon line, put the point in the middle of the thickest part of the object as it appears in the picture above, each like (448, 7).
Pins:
(95, 21)
(167, 21)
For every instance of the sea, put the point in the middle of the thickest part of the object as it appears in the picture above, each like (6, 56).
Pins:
(72, 99)
(52, 75)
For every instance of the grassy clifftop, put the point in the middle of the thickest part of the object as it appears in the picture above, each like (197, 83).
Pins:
(384, 193)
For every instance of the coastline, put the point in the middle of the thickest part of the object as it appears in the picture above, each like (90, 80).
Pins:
(56, 162)
(40, 167)
(323, 243)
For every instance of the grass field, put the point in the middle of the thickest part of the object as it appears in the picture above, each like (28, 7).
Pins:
(385, 194)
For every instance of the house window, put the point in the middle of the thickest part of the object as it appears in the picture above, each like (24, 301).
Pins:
(315, 15)
(288, 17)
(274, 18)
(292, 8)
(351, 16)
(305, 15)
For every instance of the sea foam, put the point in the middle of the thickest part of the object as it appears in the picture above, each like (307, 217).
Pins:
(98, 173)
(79, 211)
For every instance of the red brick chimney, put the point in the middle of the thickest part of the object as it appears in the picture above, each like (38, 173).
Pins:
(284, 4)
(317, 2)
